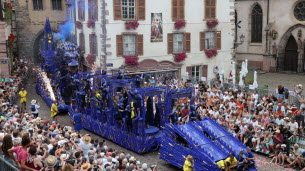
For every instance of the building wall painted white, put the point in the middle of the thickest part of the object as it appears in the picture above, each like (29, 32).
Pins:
(194, 16)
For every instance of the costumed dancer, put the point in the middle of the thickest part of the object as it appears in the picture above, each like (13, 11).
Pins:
(149, 112)
(54, 110)
(189, 163)
(22, 94)
(77, 120)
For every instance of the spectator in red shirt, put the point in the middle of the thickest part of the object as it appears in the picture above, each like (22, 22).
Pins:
(185, 112)
(21, 153)
(278, 139)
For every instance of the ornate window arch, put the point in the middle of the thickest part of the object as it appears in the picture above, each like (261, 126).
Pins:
(256, 24)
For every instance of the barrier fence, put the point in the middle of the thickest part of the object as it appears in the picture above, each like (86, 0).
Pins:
(6, 166)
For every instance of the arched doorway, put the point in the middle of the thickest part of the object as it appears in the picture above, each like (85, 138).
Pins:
(291, 55)
(38, 44)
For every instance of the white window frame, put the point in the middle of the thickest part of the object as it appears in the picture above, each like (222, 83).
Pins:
(129, 45)
(196, 72)
(210, 40)
(130, 7)
(178, 42)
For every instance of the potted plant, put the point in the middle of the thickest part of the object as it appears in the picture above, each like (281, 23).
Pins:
(211, 53)
(91, 59)
(131, 60)
(131, 24)
(179, 57)
(212, 23)
(179, 24)
(78, 25)
(90, 23)
(8, 8)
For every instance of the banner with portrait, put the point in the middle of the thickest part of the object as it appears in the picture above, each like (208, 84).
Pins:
(156, 27)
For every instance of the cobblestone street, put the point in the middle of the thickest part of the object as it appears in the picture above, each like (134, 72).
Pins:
(271, 79)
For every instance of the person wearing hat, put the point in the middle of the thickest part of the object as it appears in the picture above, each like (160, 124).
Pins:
(85, 145)
(189, 163)
(278, 139)
(85, 166)
(34, 108)
(54, 110)
(22, 95)
(50, 162)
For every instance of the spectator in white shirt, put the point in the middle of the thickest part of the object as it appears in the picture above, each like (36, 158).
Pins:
(293, 125)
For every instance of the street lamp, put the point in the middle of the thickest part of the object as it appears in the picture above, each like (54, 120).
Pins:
(241, 39)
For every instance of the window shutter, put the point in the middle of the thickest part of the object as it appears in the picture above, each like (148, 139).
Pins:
(181, 9)
(174, 9)
(141, 9)
(140, 44)
(207, 9)
(119, 45)
(202, 41)
(189, 71)
(213, 9)
(94, 44)
(187, 42)
(204, 71)
(117, 9)
(170, 43)
(90, 43)
(218, 40)
(82, 41)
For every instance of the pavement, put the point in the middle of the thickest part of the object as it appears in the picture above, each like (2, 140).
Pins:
(152, 158)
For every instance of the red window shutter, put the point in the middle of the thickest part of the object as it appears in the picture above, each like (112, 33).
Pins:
(119, 45)
(174, 9)
(187, 42)
(140, 45)
(117, 9)
(218, 40)
(202, 41)
(189, 71)
(181, 10)
(204, 71)
(170, 43)
(141, 9)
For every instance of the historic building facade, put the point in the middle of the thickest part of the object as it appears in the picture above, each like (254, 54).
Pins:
(142, 36)
(274, 34)
(30, 19)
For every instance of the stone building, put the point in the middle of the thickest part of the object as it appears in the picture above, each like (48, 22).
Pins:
(274, 33)
(30, 19)
(154, 42)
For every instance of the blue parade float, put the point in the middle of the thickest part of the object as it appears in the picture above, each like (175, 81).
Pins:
(115, 107)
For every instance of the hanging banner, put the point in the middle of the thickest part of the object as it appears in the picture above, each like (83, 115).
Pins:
(156, 27)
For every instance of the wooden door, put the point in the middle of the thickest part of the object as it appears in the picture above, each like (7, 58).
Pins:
(291, 55)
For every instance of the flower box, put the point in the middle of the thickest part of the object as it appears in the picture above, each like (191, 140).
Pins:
(211, 53)
(91, 59)
(78, 25)
(131, 24)
(212, 23)
(131, 60)
(179, 24)
(179, 57)
(91, 23)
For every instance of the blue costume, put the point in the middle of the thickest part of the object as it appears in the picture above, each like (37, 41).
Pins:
(77, 121)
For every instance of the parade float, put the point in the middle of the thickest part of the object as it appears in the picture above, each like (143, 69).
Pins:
(115, 107)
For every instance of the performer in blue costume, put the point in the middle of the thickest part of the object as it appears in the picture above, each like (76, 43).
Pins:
(77, 121)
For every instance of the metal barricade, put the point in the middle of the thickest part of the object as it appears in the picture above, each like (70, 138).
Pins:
(6, 166)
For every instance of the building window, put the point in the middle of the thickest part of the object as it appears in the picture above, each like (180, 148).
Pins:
(129, 42)
(92, 10)
(178, 9)
(196, 73)
(57, 4)
(210, 9)
(37, 4)
(81, 10)
(210, 40)
(128, 9)
(178, 43)
(257, 24)
(93, 43)
(82, 41)
(299, 13)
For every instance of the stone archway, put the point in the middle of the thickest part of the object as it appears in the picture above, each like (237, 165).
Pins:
(37, 45)
(282, 46)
